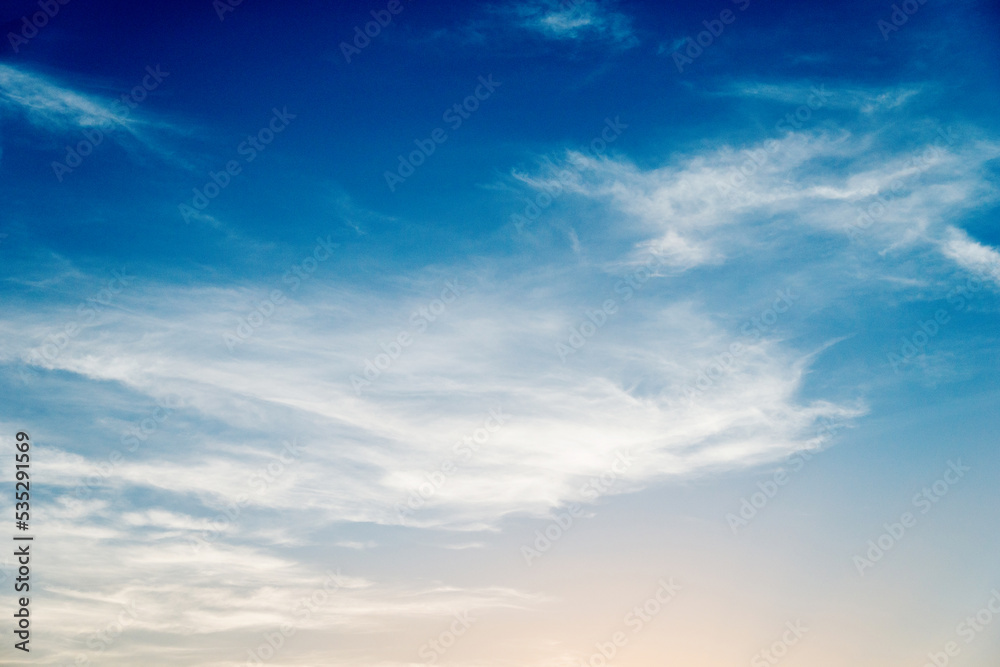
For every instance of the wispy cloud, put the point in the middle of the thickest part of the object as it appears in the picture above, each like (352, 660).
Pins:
(701, 207)
(867, 100)
(572, 20)
(971, 255)
(117, 578)
(56, 108)
(53, 107)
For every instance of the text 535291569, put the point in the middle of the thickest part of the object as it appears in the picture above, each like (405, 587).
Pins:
(22, 514)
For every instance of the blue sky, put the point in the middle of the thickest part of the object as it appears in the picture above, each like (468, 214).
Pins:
(670, 306)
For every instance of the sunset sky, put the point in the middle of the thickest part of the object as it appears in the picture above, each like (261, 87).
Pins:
(518, 333)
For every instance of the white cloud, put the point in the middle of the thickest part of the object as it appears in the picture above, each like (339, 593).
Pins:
(626, 392)
(347, 544)
(699, 208)
(575, 20)
(56, 108)
(50, 106)
(364, 454)
(367, 453)
(866, 100)
(972, 255)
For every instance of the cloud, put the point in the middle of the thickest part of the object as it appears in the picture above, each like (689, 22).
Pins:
(52, 107)
(58, 109)
(865, 100)
(364, 454)
(515, 398)
(378, 420)
(356, 545)
(971, 255)
(464, 545)
(573, 20)
(698, 209)
(119, 589)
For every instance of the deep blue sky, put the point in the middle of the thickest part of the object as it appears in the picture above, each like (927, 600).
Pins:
(255, 320)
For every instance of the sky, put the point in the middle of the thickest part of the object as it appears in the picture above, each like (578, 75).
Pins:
(514, 333)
